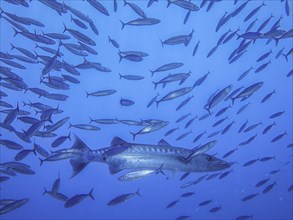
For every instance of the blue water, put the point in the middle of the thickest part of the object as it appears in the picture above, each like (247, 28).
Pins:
(157, 190)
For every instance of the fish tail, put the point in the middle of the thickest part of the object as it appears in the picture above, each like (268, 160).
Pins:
(91, 120)
(155, 84)
(41, 161)
(123, 24)
(120, 57)
(15, 32)
(45, 191)
(169, 3)
(87, 94)
(157, 103)
(109, 38)
(160, 170)
(69, 136)
(70, 125)
(233, 99)
(12, 46)
(133, 135)
(65, 28)
(138, 193)
(125, 3)
(277, 40)
(162, 42)
(120, 76)
(152, 72)
(239, 36)
(286, 57)
(91, 194)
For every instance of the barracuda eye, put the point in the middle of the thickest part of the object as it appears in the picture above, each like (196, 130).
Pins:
(209, 158)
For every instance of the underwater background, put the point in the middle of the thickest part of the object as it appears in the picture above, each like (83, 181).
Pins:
(186, 32)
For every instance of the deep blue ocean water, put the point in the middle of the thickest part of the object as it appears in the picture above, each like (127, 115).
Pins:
(157, 190)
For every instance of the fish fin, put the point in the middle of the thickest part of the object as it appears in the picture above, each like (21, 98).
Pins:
(79, 144)
(163, 142)
(123, 24)
(114, 169)
(45, 191)
(91, 194)
(133, 135)
(137, 192)
(120, 56)
(118, 141)
(160, 170)
(78, 165)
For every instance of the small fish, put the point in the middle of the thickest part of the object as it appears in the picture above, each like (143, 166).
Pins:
(278, 137)
(11, 144)
(140, 174)
(12, 206)
(227, 128)
(187, 194)
(198, 137)
(249, 197)
(253, 12)
(262, 182)
(244, 217)
(150, 128)
(171, 131)
(183, 136)
(230, 152)
(85, 127)
(262, 67)
(268, 96)
(166, 67)
(184, 176)
(140, 22)
(172, 204)
(123, 198)
(101, 93)
(57, 142)
(269, 188)
(77, 199)
(130, 77)
(126, 102)
(264, 56)
(204, 203)
(56, 185)
(250, 162)
(215, 209)
(22, 154)
(277, 114)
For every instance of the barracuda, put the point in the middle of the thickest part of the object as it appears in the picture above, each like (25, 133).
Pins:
(143, 156)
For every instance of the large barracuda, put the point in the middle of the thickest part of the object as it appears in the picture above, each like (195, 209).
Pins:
(142, 156)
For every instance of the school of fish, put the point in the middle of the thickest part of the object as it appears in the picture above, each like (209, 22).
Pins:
(67, 87)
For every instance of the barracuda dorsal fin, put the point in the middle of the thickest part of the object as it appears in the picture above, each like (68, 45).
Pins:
(79, 144)
(78, 164)
(118, 141)
(114, 169)
(163, 142)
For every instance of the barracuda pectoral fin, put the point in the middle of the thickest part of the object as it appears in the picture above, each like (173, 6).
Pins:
(78, 164)
(114, 169)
